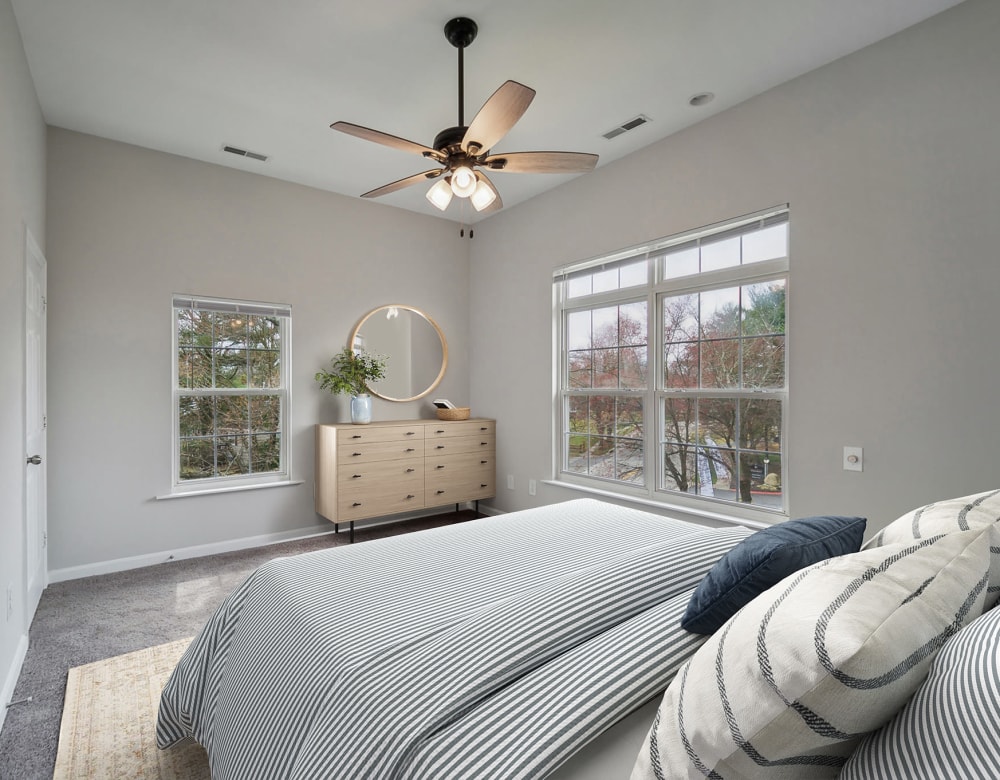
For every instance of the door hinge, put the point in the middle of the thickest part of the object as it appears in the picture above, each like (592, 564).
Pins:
(45, 422)
(45, 539)
(45, 303)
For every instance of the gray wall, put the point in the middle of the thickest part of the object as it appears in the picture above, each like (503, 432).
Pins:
(890, 161)
(128, 227)
(22, 203)
(887, 158)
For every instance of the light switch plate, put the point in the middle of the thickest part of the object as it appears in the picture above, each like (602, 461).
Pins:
(854, 459)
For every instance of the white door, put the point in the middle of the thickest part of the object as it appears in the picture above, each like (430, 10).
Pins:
(35, 523)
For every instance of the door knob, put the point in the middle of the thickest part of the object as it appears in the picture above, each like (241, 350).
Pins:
(35, 460)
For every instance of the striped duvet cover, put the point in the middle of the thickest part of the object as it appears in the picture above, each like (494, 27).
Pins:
(491, 649)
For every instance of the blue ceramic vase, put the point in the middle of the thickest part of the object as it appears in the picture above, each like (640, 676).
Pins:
(361, 409)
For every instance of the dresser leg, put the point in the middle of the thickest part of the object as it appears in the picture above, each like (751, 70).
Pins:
(352, 532)
(336, 528)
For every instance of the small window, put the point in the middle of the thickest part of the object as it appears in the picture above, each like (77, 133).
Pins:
(230, 392)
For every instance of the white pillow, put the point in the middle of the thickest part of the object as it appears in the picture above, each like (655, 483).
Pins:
(792, 682)
(944, 517)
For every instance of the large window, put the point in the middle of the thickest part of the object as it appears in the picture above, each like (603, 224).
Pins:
(672, 366)
(230, 392)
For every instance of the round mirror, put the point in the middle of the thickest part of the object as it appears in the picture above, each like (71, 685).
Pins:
(414, 347)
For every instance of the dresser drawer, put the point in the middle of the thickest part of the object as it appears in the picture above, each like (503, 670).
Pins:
(382, 502)
(457, 487)
(462, 428)
(364, 434)
(461, 444)
(373, 475)
(368, 452)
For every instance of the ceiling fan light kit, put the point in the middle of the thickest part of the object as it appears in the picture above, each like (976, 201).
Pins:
(463, 181)
(485, 195)
(440, 194)
(460, 150)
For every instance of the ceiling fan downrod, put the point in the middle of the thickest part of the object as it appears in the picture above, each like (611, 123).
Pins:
(460, 32)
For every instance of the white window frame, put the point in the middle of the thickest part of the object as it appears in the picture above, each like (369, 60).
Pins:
(283, 312)
(653, 395)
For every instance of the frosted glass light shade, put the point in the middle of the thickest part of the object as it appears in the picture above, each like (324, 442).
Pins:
(483, 196)
(440, 194)
(463, 181)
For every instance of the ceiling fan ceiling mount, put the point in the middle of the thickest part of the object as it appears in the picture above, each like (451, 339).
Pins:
(463, 148)
(461, 31)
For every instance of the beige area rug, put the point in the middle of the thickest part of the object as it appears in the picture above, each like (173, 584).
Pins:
(109, 721)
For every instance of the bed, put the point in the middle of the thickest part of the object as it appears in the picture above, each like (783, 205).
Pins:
(530, 645)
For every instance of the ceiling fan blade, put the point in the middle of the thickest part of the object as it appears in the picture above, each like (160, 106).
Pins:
(541, 162)
(408, 181)
(385, 139)
(497, 116)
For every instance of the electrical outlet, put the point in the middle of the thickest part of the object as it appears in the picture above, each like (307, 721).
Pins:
(532, 487)
(510, 482)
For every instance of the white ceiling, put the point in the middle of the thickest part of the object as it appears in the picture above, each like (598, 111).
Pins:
(191, 76)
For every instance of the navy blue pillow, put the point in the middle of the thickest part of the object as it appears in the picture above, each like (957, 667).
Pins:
(763, 560)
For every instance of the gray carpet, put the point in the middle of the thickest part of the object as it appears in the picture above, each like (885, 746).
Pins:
(85, 620)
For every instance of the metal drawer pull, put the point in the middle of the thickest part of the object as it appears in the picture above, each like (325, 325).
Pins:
(409, 449)
(484, 461)
(356, 503)
(411, 496)
(484, 485)
(438, 431)
(356, 436)
(483, 443)
(484, 428)
(439, 447)
(356, 476)
(409, 471)
(355, 454)
(440, 492)
(439, 467)
(410, 433)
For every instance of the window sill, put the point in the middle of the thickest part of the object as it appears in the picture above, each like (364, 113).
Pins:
(696, 513)
(230, 489)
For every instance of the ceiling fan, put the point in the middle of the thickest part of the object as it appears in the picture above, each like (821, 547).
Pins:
(463, 149)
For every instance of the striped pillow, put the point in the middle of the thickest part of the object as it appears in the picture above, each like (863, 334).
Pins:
(939, 733)
(944, 517)
(790, 685)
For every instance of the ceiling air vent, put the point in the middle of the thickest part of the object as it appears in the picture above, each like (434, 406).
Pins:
(631, 124)
(245, 153)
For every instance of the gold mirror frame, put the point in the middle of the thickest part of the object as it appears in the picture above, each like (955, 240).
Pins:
(400, 307)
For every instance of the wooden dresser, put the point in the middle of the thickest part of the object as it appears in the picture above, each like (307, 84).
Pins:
(384, 468)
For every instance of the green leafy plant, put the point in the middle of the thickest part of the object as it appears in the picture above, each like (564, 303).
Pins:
(350, 372)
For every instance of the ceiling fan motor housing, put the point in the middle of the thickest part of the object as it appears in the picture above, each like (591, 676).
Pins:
(449, 139)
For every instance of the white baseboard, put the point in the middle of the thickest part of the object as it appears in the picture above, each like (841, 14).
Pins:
(197, 551)
(10, 681)
(229, 545)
